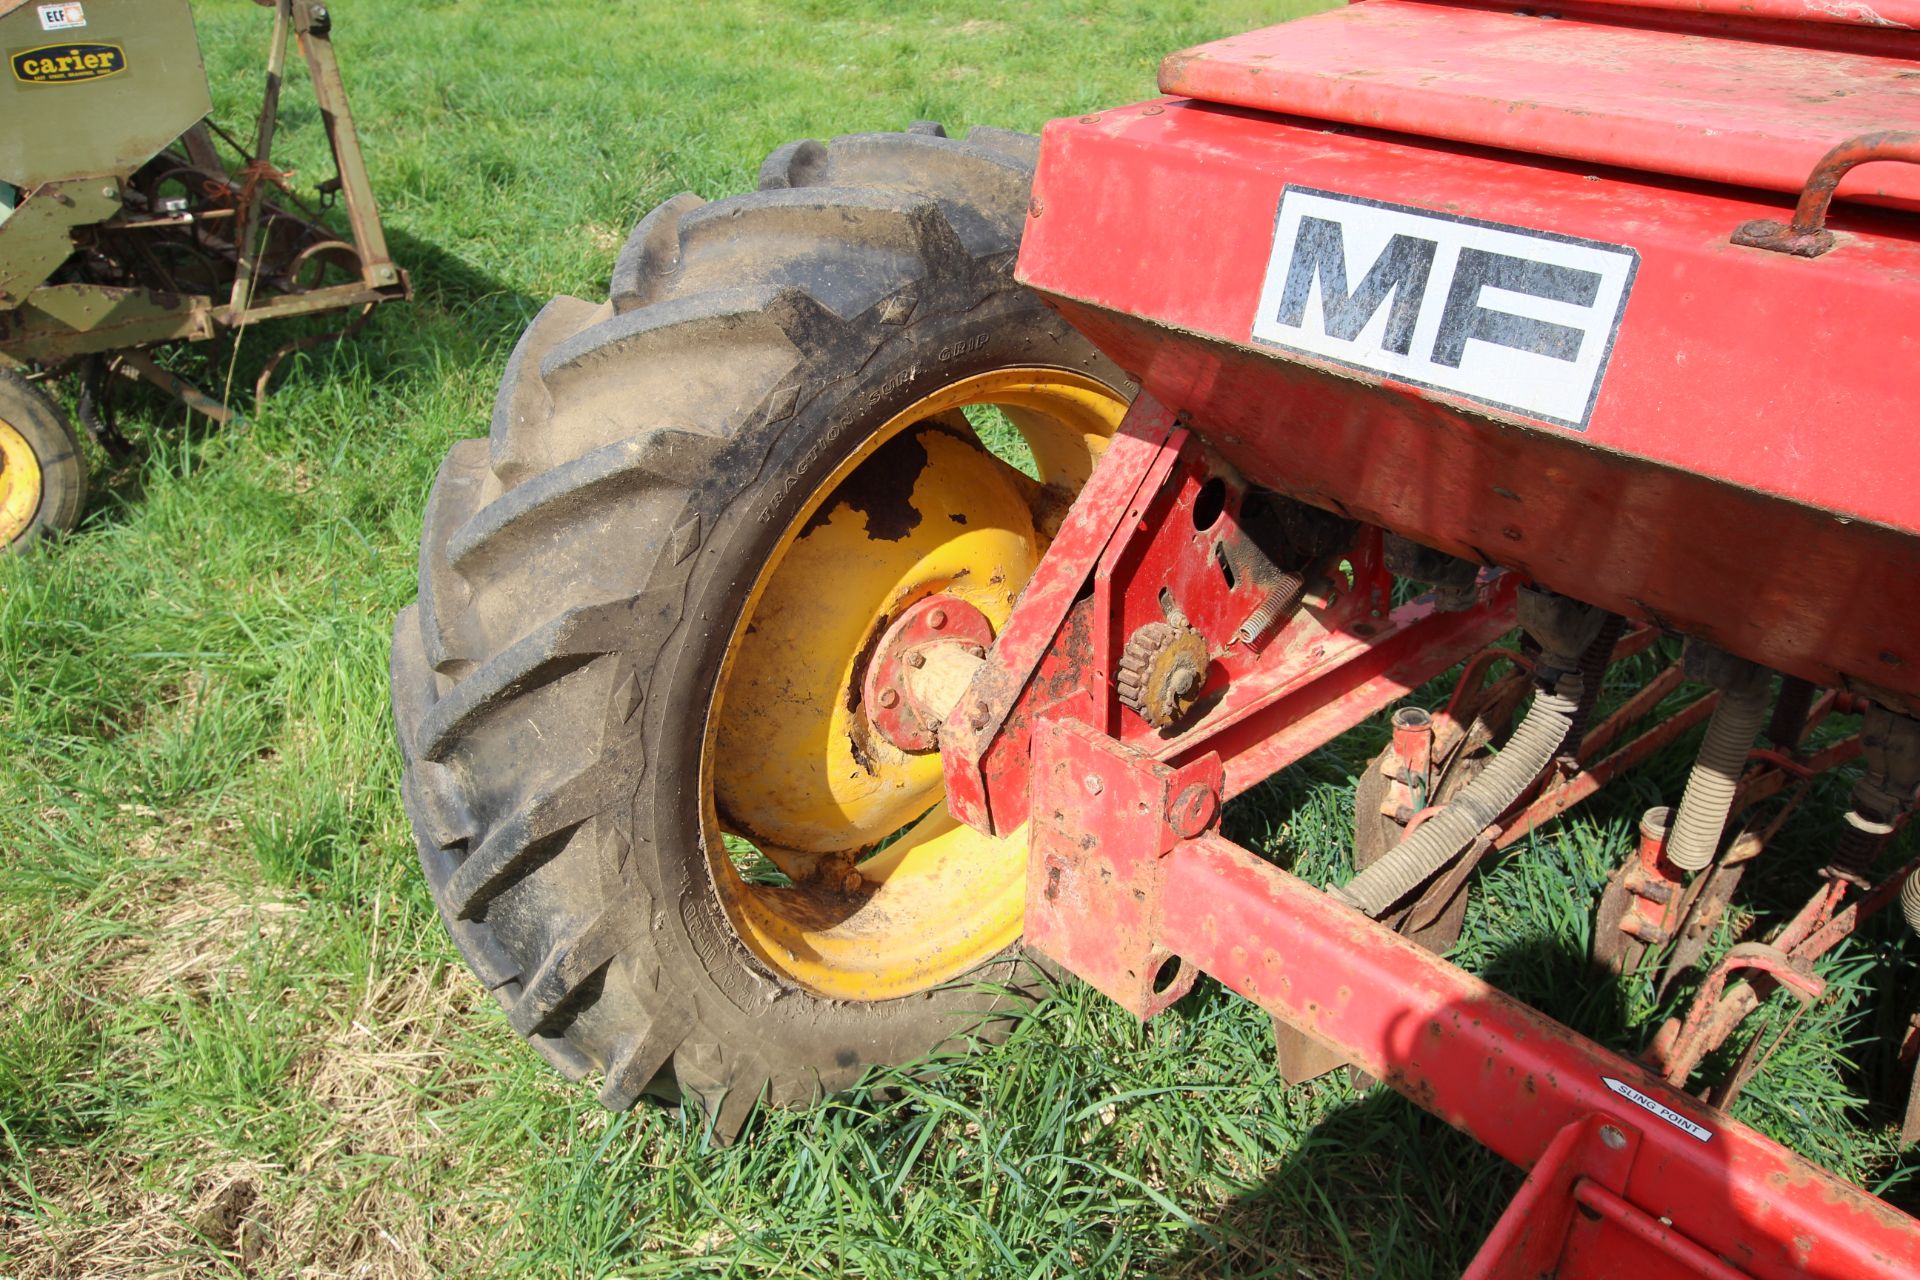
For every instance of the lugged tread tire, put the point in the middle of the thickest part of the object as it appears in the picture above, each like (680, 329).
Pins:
(581, 571)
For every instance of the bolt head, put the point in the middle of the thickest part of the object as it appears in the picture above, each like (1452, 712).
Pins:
(1612, 1137)
(1194, 810)
(854, 882)
(937, 619)
(888, 698)
(916, 660)
(1094, 785)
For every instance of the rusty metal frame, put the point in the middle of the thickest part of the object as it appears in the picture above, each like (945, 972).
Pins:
(312, 24)
(1287, 701)
(34, 334)
(1131, 888)
(1627, 1168)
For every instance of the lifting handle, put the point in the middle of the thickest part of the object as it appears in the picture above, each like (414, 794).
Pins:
(1807, 236)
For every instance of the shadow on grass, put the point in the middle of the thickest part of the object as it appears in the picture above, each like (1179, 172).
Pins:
(1377, 1188)
(459, 316)
(1380, 1187)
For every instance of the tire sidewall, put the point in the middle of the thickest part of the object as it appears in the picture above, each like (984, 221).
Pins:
(749, 507)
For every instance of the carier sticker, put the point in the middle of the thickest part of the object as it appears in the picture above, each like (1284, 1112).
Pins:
(62, 17)
(68, 63)
(1515, 319)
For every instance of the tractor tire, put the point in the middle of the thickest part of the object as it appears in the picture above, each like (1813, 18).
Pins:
(728, 478)
(43, 474)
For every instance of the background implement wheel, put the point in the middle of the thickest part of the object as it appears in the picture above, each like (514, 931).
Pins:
(43, 476)
(654, 812)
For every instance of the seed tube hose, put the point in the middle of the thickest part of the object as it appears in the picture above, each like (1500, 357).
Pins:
(1531, 749)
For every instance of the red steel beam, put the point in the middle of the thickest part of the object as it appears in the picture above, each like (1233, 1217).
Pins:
(1287, 716)
(1511, 1077)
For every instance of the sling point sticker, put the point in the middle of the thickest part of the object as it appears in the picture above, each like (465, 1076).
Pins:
(68, 63)
(1658, 1108)
(1513, 318)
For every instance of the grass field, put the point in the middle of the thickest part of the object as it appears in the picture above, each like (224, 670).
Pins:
(233, 1037)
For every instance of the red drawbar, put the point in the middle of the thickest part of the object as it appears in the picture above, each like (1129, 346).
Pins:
(1693, 105)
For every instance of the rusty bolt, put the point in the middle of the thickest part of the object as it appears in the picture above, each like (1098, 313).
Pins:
(916, 659)
(888, 697)
(854, 882)
(978, 720)
(937, 619)
(1184, 682)
(1094, 785)
(1194, 811)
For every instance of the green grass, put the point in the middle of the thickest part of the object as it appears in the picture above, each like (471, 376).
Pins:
(233, 1037)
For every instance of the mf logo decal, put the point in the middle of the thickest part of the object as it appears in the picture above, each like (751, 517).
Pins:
(68, 63)
(1515, 319)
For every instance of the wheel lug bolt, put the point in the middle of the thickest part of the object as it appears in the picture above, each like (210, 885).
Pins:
(937, 619)
(916, 660)
(888, 697)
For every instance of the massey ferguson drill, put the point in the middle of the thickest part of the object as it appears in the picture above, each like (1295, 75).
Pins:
(750, 700)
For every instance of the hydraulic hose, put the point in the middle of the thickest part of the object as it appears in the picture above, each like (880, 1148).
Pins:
(1708, 799)
(1531, 749)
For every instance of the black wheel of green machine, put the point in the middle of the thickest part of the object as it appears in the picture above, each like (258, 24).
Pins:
(43, 475)
(653, 812)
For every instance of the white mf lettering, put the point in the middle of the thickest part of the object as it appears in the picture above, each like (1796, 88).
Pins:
(1515, 319)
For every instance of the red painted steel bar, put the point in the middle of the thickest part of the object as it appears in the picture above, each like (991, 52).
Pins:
(974, 729)
(1511, 1077)
(1630, 1219)
(1354, 678)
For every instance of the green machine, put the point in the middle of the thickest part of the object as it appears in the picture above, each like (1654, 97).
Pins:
(129, 220)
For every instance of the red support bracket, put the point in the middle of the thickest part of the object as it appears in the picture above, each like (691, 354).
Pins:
(1104, 818)
(985, 723)
(1319, 674)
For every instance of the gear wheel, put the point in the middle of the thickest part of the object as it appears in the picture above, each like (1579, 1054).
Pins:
(1162, 671)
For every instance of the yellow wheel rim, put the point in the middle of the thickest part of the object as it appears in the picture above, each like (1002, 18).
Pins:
(20, 483)
(831, 849)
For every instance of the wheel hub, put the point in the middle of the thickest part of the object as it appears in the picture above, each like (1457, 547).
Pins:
(917, 675)
(821, 757)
